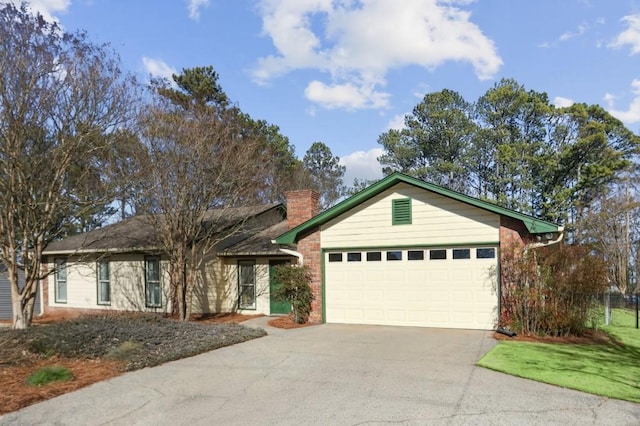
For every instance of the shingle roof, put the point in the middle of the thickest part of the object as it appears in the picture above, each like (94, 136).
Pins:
(138, 233)
(258, 244)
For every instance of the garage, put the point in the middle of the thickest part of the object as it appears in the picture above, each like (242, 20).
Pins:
(449, 287)
(405, 252)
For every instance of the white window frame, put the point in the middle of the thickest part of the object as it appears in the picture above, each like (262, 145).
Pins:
(244, 287)
(152, 285)
(103, 282)
(61, 280)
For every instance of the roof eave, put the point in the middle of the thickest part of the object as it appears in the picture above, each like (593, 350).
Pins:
(533, 225)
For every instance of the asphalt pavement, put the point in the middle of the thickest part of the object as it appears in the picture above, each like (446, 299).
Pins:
(331, 375)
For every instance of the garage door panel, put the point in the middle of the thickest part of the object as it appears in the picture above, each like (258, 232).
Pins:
(448, 293)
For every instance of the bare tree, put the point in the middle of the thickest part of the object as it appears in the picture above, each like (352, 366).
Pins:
(606, 226)
(203, 158)
(59, 96)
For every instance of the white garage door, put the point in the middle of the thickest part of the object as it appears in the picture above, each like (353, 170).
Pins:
(445, 287)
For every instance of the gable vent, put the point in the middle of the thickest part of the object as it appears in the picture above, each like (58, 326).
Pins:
(401, 211)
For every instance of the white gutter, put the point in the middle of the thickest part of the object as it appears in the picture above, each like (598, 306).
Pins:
(292, 253)
(548, 242)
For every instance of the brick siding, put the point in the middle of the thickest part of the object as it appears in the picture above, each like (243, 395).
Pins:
(302, 205)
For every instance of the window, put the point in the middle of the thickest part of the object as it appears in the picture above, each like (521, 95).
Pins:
(104, 284)
(247, 284)
(394, 255)
(374, 256)
(354, 257)
(335, 257)
(461, 253)
(153, 290)
(415, 255)
(401, 211)
(486, 253)
(61, 281)
(439, 254)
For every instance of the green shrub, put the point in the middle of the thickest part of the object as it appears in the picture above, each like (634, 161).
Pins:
(46, 375)
(294, 287)
(550, 290)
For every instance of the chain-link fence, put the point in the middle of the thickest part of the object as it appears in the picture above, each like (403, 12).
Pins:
(613, 302)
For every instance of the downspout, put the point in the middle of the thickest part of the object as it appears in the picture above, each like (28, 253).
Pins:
(292, 253)
(548, 242)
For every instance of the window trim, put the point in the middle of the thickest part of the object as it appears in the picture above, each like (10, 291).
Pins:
(461, 250)
(401, 211)
(148, 282)
(100, 281)
(394, 251)
(437, 251)
(354, 256)
(254, 306)
(493, 252)
(372, 254)
(61, 265)
(415, 252)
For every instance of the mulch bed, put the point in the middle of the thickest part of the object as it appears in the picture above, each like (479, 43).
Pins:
(224, 318)
(17, 394)
(591, 337)
(287, 323)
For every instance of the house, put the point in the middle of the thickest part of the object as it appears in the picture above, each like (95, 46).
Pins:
(401, 252)
(120, 267)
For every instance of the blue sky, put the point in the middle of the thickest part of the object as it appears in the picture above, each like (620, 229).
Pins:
(344, 71)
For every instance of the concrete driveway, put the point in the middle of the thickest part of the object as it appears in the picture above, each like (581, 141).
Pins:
(331, 375)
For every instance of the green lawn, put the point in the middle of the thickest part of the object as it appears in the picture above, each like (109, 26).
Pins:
(611, 370)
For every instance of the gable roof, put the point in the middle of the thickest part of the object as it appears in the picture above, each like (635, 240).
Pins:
(138, 232)
(533, 225)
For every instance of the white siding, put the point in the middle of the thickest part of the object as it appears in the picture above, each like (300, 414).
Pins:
(218, 287)
(127, 282)
(436, 220)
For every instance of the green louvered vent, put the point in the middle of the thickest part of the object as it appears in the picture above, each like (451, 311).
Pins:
(401, 211)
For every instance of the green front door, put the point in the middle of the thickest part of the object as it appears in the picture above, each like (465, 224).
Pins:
(276, 307)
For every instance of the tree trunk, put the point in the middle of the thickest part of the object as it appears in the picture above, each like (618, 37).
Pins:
(22, 305)
(20, 321)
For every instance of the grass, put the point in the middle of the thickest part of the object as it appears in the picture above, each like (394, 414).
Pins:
(50, 374)
(611, 370)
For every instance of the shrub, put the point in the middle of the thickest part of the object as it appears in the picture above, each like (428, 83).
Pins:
(294, 287)
(46, 375)
(550, 290)
(125, 351)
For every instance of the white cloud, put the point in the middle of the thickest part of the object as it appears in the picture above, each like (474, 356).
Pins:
(158, 68)
(630, 115)
(396, 122)
(582, 28)
(47, 8)
(358, 42)
(194, 7)
(362, 165)
(561, 102)
(630, 36)
(348, 96)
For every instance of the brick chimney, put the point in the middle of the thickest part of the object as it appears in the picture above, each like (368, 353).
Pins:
(302, 205)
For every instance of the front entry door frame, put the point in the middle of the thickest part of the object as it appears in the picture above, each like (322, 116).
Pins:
(276, 308)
